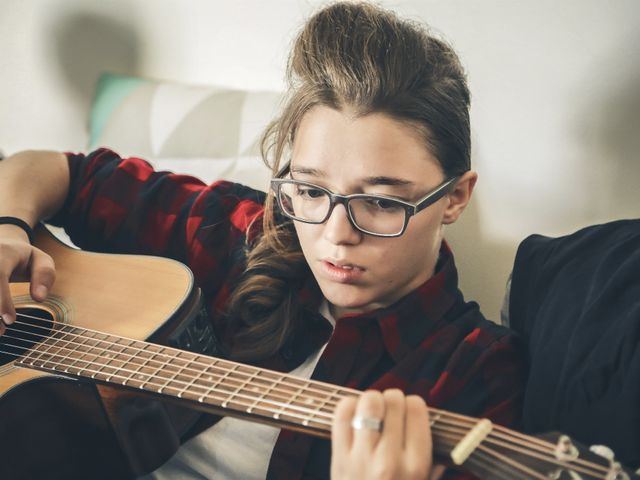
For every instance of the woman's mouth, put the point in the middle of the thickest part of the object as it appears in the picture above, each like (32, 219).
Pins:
(341, 272)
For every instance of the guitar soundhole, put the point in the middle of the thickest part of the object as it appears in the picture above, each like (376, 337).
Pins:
(32, 326)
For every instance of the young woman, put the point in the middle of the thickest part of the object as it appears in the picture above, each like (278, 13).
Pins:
(340, 273)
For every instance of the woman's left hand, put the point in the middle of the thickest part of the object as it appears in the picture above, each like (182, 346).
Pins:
(381, 436)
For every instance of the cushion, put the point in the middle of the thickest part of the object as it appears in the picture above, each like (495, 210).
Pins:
(207, 131)
(576, 300)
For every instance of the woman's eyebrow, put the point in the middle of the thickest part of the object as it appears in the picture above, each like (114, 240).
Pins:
(375, 180)
(382, 180)
(307, 171)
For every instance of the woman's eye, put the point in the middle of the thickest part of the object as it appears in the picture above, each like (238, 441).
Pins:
(309, 192)
(383, 204)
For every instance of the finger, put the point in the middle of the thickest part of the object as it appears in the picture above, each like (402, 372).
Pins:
(7, 310)
(370, 405)
(394, 423)
(342, 437)
(43, 274)
(418, 443)
(341, 431)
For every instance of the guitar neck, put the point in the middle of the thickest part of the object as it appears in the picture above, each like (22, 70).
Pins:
(209, 384)
(223, 387)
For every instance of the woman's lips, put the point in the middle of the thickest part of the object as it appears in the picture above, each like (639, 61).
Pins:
(341, 272)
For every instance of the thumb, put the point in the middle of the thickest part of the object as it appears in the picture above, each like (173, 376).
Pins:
(43, 274)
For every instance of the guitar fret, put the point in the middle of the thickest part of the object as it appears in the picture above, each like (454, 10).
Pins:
(179, 377)
(185, 389)
(154, 371)
(49, 343)
(221, 379)
(115, 362)
(53, 351)
(71, 347)
(300, 390)
(32, 352)
(238, 389)
(264, 394)
(138, 370)
(89, 357)
(283, 409)
(208, 376)
(318, 408)
(79, 358)
(169, 364)
(97, 361)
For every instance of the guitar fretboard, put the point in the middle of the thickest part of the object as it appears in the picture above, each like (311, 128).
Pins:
(166, 371)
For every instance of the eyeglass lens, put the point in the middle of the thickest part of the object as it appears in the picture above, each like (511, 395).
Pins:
(371, 214)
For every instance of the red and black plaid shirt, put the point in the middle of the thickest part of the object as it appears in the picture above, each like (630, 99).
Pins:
(431, 343)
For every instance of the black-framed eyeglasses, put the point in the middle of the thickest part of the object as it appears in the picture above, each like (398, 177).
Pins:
(377, 215)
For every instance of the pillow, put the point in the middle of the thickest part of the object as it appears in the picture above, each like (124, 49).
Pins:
(576, 300)
(210, 132)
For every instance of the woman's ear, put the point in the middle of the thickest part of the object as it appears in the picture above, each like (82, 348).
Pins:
(459, 197)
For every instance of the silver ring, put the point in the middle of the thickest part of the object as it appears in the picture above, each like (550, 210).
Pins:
(366, 423)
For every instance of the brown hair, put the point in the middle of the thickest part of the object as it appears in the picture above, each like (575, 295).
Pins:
(360, 57)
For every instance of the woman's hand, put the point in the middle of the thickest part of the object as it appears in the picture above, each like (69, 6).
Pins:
(21, 262)
(401, 449)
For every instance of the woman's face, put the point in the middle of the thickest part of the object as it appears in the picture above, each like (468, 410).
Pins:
(378, 155)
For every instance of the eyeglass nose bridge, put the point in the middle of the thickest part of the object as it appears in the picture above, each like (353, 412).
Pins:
(335, 199)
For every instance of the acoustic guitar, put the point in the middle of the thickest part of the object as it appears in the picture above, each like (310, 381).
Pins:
(96, 351)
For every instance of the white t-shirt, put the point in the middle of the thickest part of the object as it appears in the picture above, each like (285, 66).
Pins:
(232, 448)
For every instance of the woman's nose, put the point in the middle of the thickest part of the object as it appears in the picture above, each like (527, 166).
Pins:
(338, 228)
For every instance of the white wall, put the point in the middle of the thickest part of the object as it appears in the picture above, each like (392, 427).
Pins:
(556, 95)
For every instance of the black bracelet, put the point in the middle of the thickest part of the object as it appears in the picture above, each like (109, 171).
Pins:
(18, 222)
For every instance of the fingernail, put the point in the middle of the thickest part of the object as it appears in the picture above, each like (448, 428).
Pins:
(5, 318)
(41, 291)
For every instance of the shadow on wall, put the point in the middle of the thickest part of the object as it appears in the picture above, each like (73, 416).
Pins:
(607, 138)
(85, 44)
(609, 124)
(483, 264)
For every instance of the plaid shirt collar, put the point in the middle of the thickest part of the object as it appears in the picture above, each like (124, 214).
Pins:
(405, 324)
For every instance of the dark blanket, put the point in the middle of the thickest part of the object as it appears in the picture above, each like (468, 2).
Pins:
(576, 301)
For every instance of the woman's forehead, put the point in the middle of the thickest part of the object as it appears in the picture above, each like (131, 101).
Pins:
(327, 139)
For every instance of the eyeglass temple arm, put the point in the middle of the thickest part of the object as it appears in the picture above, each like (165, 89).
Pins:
(440, 192)
(283, 170)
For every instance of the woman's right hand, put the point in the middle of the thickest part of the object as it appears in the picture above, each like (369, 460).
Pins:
(21, 262)
(400, 448)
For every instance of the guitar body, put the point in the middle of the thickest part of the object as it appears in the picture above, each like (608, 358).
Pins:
(58, 427)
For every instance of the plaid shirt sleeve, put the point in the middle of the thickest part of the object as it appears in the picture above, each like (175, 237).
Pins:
(120, 205)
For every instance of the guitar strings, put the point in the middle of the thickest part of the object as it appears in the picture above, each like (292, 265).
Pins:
(505, 460)
(465, 422)
(245, 405)
(336, 391)
(537, 451)
(468, 425)
(204, 392)
(496, 466)
(282, 379)
(299, 385)
(496, 470)
(316, 411)
(213, 396)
